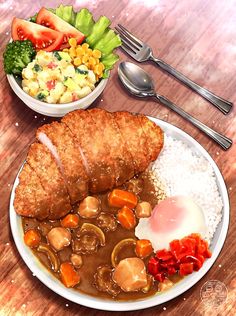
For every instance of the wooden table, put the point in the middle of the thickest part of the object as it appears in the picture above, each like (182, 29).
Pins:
(197, 37)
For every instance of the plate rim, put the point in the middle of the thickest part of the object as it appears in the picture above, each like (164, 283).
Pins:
(102, 304)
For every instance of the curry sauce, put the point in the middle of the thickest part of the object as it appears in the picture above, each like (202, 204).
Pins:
(143, 186)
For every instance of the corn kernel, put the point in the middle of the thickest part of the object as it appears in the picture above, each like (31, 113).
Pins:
(98, 69)
(97, 53)
(66, 50)
(85, 46)
(92, 61)
(79, 51)
(72, 42)
(77, 61)
(103, 67)
(72, 52)
(97, 60)
(90, 52)
(91, 67)
(85, 59)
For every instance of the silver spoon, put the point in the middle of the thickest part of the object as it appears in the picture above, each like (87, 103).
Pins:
(139, 83)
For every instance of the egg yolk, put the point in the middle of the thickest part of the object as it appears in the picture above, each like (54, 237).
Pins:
(168, 215)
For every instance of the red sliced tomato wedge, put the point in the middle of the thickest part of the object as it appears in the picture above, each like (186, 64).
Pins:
(41, 37)
(52, 21)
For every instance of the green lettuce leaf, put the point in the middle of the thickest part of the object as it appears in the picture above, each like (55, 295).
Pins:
(66, 13)
(108, 42)
(98, 30)
(84, 21)
(109, 60)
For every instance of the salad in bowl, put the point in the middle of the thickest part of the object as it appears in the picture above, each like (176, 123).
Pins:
(60, 60)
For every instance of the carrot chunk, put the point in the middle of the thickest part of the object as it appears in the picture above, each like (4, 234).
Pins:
(69, 275)
(120, 198)
(143, 248)
(70, 221)
(126, 217)
(32, 238)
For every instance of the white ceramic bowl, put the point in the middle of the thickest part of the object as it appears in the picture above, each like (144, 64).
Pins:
(55, 110)
(55, 285)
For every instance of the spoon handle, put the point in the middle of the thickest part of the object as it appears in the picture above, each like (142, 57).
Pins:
(223, 105)
(222, 140)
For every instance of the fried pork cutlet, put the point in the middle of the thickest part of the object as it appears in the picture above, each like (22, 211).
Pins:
(95, 153)
(134, 138)
(42, 162)
(154, 136)
(118, 153)
(63, 146)
(30, 197)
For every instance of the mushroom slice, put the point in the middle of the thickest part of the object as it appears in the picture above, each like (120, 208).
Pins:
(104, 282)
(89, 238)
(51, 256)
(135, 185)
(85, 244)
(90, 228)
(107, 222)
(118, 247)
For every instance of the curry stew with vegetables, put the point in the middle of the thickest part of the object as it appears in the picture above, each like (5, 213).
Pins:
(94, 249)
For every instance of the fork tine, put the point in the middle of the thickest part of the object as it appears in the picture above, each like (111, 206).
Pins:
(128, 50)
(134, 38)
(127, 39)
(129, 44)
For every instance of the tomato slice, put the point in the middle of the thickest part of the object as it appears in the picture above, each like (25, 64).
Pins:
(41, 37)
(52, 21)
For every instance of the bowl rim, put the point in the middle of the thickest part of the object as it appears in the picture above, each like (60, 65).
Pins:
(102, 304)
(23, 95)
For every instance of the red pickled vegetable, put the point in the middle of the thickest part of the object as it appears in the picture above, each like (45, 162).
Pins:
(185, 256)
(164, 255)
(153, 266)
(159, 277)
(185, 268)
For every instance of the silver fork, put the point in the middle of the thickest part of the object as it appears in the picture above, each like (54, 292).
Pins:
(140, 51)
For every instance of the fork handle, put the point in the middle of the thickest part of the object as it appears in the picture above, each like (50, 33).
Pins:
(222, 140)
(223, 105)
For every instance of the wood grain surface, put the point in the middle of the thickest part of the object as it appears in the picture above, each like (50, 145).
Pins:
(198, 38)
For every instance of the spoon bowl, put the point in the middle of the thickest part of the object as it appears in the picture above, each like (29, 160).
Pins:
(136, 80)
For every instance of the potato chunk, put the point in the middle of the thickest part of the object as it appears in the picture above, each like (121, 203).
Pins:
(143, 209)
(59, 238)
(130, 274)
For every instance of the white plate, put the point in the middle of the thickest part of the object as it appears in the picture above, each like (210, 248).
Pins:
(75, 296)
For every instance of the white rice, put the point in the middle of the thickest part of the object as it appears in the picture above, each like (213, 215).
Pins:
(183, 172)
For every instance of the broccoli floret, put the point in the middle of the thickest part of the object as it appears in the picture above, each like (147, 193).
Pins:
(17, 56)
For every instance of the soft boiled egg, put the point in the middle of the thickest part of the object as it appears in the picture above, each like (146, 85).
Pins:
(173, 218)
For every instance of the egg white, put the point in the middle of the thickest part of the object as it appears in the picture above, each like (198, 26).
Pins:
(193, 222)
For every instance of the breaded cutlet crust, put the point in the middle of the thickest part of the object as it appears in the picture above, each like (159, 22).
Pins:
(68, 151)
(120, 156)
(89, 138)
(134, 138)
(43, 163)
(30, 198)
(154, 136)
(104, 149)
